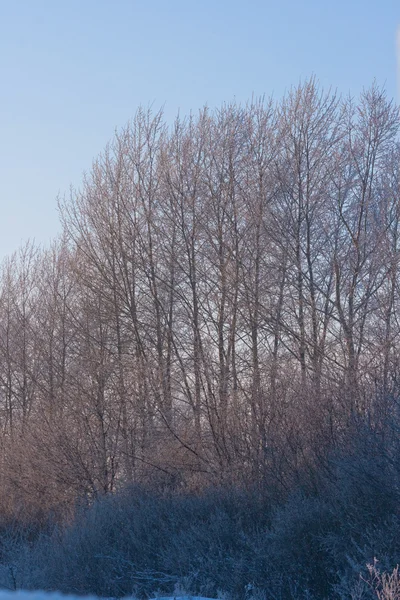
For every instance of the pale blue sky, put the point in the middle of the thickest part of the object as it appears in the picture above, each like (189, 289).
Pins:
(73, 71)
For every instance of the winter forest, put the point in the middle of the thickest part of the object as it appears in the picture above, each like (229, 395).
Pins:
(200, 379)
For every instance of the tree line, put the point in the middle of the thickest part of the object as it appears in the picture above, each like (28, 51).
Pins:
(222, 307)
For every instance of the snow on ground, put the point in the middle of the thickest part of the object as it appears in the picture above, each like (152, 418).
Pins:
(25, 595)
(180, 597)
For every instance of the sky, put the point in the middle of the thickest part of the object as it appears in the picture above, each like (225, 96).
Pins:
(74, 71)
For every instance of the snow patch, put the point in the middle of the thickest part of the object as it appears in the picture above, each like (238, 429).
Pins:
(38, 595)
(179, 597)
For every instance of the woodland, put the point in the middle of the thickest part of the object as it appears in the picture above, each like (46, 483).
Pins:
(200, 378)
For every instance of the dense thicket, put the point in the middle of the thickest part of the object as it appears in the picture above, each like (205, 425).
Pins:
(222, 309)
(233, 544)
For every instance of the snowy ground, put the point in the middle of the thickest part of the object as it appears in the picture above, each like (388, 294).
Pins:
(22, 595)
